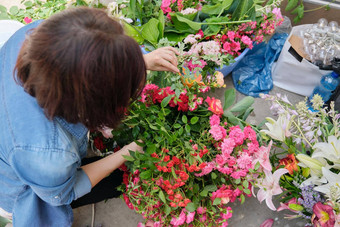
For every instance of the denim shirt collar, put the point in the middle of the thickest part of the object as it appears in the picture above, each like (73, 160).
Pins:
(77, 130)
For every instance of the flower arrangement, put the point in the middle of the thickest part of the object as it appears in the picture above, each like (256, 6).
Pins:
(307, 135)
(199, 156)
(211, 34)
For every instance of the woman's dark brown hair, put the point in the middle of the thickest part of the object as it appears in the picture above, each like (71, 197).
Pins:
(80, 66)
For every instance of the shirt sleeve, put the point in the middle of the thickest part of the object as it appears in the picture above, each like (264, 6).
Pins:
(52, 174)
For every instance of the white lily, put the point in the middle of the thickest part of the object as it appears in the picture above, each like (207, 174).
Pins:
(330, 150)
(279, 129)
(315, 165)
(332, 188)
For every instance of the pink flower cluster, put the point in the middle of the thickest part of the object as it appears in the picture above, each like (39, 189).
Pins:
(169, 6)
(240, 150)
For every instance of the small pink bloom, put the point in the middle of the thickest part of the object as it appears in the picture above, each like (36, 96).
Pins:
(227, 146)
(180, 220)
(262, 156)
(27, 20)
(285, 206)
(270, 186)
(201, 210)
(190, 217)
(217, 132)
(214, 120)
(246, 40)
(267, 223)
(231, 35)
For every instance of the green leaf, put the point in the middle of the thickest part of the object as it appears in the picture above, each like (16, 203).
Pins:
(204, 193)
(166, 101)
(210, 188)
(153, 127)
(175, 37)
(217, 201)
(243, 9)
(28, 4)
(242, 198)
(218, 8)
(243, 105)
(180, 131)
(184, 119)
(237, 181)
(167, 210)
(145, 175)
(213, 175)
(182, 24)
(177, 125)
(161, 196)
(135, 131)
(231, 118)
(133, 8)
(190, 207)
(187, 128)
(3, 9)
(196, 188)
(150, 31)
(247, 191)
(301, 11)
(194, 120)
(161, 24)
(128, 158)
(245, 184)
(133, 32)
(257, 166)
(14, 10)
(229, 98)
(296, 207)
(151, 148)
(246, 114)
(291, 4)
(4, 221)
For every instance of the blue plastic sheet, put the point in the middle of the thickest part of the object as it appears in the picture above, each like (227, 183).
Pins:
(252, 76)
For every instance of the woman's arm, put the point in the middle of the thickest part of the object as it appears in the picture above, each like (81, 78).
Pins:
(98, 170)
(162, 59)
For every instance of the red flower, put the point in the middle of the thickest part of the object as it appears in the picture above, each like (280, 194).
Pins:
(98, 143)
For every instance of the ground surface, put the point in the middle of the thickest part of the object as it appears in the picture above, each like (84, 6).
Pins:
(114, 212)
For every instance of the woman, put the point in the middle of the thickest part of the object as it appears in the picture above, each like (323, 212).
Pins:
(74, 72)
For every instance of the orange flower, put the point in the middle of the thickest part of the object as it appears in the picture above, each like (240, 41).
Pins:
(290, 163)
(215, 105)
(190, 82)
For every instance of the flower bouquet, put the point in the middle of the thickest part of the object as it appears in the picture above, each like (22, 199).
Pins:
(307, 135)
(211, 34)
(199, 156)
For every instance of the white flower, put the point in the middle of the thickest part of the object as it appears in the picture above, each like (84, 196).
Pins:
(127, 20)
(315, 165)
(188, 11)
(330, 150)
(279, 129)
(190, 39)
(332, 188)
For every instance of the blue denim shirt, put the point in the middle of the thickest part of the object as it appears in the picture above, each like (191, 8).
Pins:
(40, 160)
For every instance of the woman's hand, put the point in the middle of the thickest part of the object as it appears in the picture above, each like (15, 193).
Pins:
(162, 59)
(132, 147)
